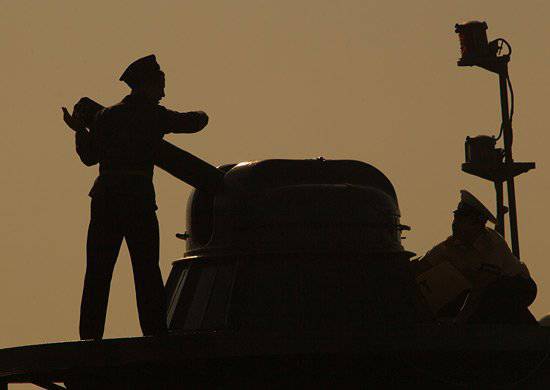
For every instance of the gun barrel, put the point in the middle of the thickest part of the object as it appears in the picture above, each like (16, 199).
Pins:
(188, 168)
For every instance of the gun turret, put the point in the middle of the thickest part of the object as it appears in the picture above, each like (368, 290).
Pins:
(294, 245)
(297, 206)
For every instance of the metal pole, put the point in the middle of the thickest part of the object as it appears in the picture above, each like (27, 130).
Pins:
(508, 160)
(500, 208)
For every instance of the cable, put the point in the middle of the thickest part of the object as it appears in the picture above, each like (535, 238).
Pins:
(511, 98)
(508, 46)
(500, 132)
(509, 83)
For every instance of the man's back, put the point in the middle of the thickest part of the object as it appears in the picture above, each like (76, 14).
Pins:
(128, 134)
(124, 139)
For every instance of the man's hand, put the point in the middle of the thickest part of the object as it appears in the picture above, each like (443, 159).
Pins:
(72, 121)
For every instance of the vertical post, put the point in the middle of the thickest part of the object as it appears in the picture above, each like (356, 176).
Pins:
(508, 160)
(500, 208)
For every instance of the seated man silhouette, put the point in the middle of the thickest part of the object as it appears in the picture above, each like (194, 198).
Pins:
(472, 276)
(122, 139)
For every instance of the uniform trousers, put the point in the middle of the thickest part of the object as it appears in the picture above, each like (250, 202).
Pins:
(114, 218)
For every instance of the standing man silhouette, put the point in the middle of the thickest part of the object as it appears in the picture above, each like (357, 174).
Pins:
(123, 139)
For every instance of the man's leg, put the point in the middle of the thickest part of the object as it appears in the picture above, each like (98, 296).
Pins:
(103, 245)
(142, 237)
(506, 301)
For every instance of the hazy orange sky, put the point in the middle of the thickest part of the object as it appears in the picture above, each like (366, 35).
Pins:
(374, 81)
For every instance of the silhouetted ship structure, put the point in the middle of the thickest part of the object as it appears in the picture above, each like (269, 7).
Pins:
(294, 275)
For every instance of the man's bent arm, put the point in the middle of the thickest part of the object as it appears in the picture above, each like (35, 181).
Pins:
(85, 147)
(83, 138)
(183, 122)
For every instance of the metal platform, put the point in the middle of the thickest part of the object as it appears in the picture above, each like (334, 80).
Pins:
(498, 173)
(482, 356)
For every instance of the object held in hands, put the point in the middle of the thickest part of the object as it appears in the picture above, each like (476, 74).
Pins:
(83, 115)
(73, 121)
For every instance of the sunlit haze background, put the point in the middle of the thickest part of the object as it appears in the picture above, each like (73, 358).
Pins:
(374, 81)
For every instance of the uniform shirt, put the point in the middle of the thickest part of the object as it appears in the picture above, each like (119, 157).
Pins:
(453, 267)
(488, 257)
(123, 140)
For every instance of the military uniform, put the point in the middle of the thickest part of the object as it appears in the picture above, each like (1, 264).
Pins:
(486, 266)
(123, 139)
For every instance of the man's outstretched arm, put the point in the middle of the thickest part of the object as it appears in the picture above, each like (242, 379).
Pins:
(183, 122)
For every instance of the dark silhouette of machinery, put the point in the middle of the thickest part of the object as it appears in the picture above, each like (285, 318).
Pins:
(483, 159)
(294, 275)
(294, 245)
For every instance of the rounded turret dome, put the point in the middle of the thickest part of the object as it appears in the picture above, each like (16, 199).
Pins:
(289, 206)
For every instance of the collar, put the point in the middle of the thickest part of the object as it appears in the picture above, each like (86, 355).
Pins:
(452, 240)
(137, 99)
